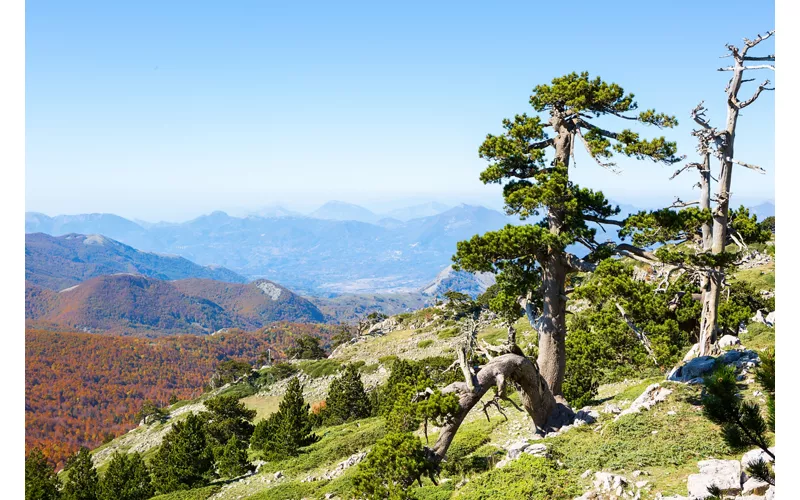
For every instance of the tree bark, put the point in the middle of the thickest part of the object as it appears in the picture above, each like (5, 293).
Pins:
(537, 399)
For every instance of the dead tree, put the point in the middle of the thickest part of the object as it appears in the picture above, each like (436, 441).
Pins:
(720, 144)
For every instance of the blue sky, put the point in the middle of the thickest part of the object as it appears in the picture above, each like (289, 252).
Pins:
(165, 110)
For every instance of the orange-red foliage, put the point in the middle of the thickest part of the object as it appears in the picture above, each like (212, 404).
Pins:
(79, 386)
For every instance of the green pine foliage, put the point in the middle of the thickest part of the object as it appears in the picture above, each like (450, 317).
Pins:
(289, 429)
(81, 477)
(306, 347)
(347, 400)
(126, 478)
(152, 413)
(391, 467)
(225, 418)
(232, 459)
(741, 420)
(41, 482)
(185, 459)
(739, 302)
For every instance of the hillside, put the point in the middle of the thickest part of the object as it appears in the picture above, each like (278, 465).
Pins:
(654, 451)
(472, 284)
(64, 261)
(258, 302)
(79, 387)
(127, 303)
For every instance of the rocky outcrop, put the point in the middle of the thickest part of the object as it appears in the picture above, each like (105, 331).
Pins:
(651, 396)
(693, 370)
(724, 474)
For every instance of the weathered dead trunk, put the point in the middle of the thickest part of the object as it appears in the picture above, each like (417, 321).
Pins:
(724, 141)
(537, 399)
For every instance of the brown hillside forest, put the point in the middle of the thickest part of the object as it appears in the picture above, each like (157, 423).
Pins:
(82, 388)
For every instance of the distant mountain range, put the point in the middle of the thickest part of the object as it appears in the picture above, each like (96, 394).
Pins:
(130, 303)
(472, 284)
(58, 262)
(309, 255)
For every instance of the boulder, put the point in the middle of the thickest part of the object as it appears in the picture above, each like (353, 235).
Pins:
(758, 318)
(585, 416)
(693, 369)
(770, 493)
(754, 486)
(729, 341)
(752, 457)
(725, 474)
(693, 352)
(652, 395)
(770, 319)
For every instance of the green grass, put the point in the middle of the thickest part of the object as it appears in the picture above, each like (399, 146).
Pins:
(320, 367)
(762, 278)
(758, 336)
(422, 344)
(448, 333)
(195, 494)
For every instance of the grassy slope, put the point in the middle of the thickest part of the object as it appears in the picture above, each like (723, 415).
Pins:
(663, 444)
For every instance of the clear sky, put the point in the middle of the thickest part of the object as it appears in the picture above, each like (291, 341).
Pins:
(163, 110)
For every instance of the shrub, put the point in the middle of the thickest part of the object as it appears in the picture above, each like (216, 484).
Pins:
(391, 467)
(422, 344)
(527, 477)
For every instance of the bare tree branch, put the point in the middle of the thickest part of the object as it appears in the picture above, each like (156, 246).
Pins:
(748, 165)
(640, 334)
(762, 87)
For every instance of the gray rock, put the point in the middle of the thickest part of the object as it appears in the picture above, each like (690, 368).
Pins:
(752, 457)
(650, 397)
(770, 319)
(754, 486)
(770, 493)
(693, 369)
(725, 474)
(728, 341)
(278, 474)
(585, 416)
(692, 353)
(758, 318)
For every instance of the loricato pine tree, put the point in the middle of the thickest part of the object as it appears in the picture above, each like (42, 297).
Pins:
(288, 429)
(126, 478)
(81, 477)
(347, 400)
(232, 460)
(532, 259)
(185, 459)
(41, 482)
(391, 467)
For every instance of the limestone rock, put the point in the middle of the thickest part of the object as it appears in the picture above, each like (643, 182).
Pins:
(770, 319)
(652, 395)
(752, 457)
(725, 474)
(692, 353)
(693, 369)
(754, 486)
(729, 341)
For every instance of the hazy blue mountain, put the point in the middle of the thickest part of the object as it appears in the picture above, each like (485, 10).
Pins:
(275, 211)
(763, 210)
(416, 211)
(339, 210)
(472, 284)
(59, 262)
(315, 256)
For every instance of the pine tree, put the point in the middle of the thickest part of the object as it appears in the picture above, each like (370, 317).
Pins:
(532, 260)
(127, 478)
(347, 400)
(742, 423)
(81, 477)
(287, 430)
(41, 482)
(232, 461)
(185, 459)
(391, 467)
(306, 347)
(227, 417)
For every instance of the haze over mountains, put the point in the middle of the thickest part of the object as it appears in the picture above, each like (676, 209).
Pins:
(339, 248)
(308, 255)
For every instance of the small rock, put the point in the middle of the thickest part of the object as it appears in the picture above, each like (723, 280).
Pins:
(642, 484)
(586, 473)
(671, 412)
(729, 341)
(652, 395)
(770, 319)
(612, 408)
(278, 474)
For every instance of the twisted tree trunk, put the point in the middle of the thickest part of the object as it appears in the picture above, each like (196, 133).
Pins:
(537, 399)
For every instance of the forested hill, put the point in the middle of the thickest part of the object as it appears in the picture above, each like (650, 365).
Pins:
(135, 304)
(59, 262)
